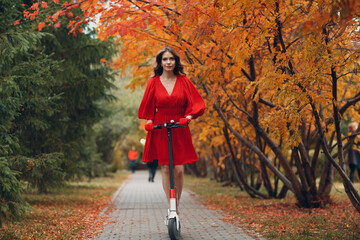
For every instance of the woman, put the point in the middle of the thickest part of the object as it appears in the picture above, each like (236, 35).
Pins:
(170, 95)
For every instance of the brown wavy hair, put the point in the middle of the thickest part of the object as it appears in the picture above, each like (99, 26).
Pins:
(158, 69)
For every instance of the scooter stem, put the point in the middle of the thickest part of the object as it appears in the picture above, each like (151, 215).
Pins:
(171, 172)
(171, 165)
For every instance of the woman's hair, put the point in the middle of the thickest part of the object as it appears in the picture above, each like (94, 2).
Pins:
(158, 69)
(352, 127)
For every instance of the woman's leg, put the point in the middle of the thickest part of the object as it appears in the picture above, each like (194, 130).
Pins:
(178, 180)
(166, 181)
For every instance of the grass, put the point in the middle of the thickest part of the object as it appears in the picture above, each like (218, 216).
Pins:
(71, 212)
(281, 218)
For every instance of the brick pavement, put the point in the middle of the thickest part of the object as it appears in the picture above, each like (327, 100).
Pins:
(139, 209)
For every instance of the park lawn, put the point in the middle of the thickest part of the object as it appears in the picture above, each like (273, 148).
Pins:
(71, 212)
(280, 218)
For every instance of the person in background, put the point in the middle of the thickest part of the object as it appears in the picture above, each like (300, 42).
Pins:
(132, 155)
(152, 166)
(353, 153)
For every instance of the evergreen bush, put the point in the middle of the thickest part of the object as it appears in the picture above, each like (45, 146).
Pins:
(42, 172)
(11, 202)
(50, 87)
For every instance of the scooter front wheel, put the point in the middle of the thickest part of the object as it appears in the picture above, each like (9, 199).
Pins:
(174, 233)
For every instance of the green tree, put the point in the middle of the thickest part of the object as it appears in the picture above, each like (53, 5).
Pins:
(52, 83)
(120, 129)
(83, 80)
(17, 46)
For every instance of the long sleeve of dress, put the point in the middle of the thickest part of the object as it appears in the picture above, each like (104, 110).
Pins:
(195, 103)
(147, 106)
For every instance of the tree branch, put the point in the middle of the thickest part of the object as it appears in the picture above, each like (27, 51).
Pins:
(249, 144)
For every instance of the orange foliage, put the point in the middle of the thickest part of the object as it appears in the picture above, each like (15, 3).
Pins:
(217, 39)
(266, 217)
(41, 25)
(61, 217)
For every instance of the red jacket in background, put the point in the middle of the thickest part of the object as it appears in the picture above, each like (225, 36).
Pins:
(132, 155)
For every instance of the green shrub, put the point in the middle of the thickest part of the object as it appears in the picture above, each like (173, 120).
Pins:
(42, 172)
(11, 202)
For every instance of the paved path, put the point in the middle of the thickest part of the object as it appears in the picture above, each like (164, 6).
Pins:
(140, 209)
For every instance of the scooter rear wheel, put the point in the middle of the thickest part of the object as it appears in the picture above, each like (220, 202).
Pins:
(174, 233)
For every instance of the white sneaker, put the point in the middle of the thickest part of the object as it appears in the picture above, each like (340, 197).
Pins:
(166, 221)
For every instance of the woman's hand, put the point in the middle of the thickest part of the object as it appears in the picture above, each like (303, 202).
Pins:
(185, 121)
(149, 126)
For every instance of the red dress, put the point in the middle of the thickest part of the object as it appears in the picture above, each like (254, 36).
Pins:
(157, 105)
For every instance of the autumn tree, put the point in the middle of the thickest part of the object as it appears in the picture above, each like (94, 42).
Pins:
(281, 75)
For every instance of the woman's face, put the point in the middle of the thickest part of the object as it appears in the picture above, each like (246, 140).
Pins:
(168, 62)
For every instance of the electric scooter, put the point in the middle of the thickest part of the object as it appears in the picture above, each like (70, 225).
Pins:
(172, 220)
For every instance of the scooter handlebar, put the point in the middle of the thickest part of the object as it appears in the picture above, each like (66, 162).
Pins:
(170, 125)
(158, 126)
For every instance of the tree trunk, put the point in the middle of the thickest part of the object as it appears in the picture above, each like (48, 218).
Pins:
(250, 190)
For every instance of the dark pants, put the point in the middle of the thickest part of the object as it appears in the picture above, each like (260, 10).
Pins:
(132, 166)
(353, 167)
(152, 166)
